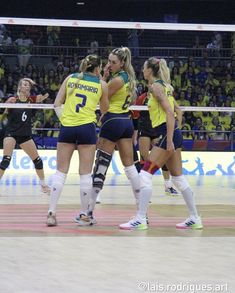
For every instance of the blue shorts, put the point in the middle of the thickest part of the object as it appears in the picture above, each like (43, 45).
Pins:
(162, 134)
(83, 134)
(116, 126)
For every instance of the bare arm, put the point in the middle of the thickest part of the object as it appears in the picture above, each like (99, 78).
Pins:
(159, 94)
(179, 113)
(60, 98)
(104, 101)
(114, 85)
(41, 98)
(61, 95)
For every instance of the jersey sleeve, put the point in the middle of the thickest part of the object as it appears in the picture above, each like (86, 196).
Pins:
(33, 99)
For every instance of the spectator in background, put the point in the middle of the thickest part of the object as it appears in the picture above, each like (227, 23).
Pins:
(5, 42)
(133, 41)
(186, 133)
(24, 46)
(53, 35)
(182, 101)
(219, 134)
(35, 34)
(176, 78)
(93, 46)
(109, 44)
(201, 133)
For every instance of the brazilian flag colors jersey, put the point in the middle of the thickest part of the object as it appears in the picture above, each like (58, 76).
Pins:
(120, 101)
(82, 97)
(157, 114)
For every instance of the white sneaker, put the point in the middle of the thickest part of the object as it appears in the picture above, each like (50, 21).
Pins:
(83, 220)
(191, 223)
(51, 220)
(135, 223)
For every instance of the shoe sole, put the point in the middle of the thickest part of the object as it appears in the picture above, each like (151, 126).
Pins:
(131, 229)
(190, 228)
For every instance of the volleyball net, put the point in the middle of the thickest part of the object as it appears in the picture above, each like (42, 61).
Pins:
(200, 57)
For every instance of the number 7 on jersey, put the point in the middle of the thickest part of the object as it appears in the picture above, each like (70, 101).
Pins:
(83, 102)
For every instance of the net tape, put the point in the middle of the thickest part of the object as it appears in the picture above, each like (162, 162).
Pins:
(118, 24)
(137, 108)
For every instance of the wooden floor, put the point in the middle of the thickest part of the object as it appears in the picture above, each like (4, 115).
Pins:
(102, 258)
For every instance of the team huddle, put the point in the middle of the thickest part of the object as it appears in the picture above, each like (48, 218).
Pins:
(114, 92)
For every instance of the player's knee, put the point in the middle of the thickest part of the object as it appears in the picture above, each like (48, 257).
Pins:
(180, 182)
(38, 163)
(5, 162)
(102, 163)
(150, 167)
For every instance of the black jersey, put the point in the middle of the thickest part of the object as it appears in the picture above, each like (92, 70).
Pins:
(144, 121)
(19, 120)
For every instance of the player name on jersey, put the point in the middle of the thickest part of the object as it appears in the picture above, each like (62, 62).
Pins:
(83, 87)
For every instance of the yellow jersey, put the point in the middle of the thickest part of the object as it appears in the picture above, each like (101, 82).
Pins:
(82, 97)
(121, 99)
(156, 113)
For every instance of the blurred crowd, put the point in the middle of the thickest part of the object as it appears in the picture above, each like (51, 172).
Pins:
(203, 81)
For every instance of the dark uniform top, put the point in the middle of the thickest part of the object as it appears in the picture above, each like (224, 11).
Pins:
(144, 123)
(19, 120)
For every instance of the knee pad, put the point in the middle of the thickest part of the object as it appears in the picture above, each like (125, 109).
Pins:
(150, 167)
(38, 163)
(5, 162)
(102, 163)
(85, 181)
(131, 172)
(145, 179)
(180, 182)
(164, 168)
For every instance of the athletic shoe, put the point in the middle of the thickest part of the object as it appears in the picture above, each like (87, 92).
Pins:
(93, 219)
(135, 223)
(45, 189)
(51, 220)
(171, 191)
(83, 220)
(191, 223)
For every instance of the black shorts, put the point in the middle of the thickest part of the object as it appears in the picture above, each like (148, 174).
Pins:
(162, 134)
(116, 126)
(82, 134)
(19, 139)
(151, 133)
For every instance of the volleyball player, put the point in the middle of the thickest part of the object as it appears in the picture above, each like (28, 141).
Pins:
(148, 136)
(19, 130)
(168, 149)
(80, 94)
(117, 127)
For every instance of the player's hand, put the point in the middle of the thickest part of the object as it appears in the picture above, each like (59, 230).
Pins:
(170, 146)
(11, 100)
(106, 72)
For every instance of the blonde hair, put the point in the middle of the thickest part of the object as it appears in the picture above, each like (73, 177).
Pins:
(29, 80)
(88, 64)
(124, 54)
(160, 70)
